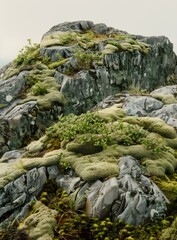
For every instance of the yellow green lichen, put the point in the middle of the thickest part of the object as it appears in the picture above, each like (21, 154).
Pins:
(57, 64)
(112, 113)
(97, 171)
(41, 223)
(165, 98)
(10, 72)
(154, 125)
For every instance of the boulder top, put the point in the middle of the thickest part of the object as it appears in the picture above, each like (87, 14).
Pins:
(83, 25)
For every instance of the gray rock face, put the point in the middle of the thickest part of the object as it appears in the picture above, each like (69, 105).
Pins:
(16, 196)
(77, 26)
(168, 113)
(141, 105)
(84, 91)
(10, 88)
(119, 70)
(132, 197)
(22, 121)
(139, 198)
(54, 52)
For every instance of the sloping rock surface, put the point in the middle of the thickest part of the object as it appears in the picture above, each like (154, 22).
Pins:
(109, 166)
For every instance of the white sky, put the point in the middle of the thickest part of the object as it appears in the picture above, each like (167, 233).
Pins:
(24, 19)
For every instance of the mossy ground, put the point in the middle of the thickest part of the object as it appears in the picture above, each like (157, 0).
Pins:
(74, 225)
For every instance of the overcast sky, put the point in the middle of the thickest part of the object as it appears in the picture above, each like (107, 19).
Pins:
(30, 19)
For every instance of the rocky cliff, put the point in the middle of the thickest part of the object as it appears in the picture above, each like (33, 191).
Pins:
(118, 161)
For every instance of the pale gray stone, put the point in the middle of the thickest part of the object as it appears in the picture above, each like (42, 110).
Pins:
(140, 105)
(70, 184)
(107, 195)
(53, 172)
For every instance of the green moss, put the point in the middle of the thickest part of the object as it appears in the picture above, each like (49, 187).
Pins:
(137, 151)
(169, 187)
(51, 98)
(58, 63)
(2, 105)
(163, 164)
(39, 89)
(10, 72)
(166, 99)
(85, 144)
(154, 125)
(112, 113)
(36, 146)
(171, 232)
(41, 223)
(96, 171)
(29, 163)
(86, 59)
(136, 47)
(172, 143)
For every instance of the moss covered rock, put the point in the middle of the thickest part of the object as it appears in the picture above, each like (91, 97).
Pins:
(41, 223)
(154, 125)
(99, 170)
(84, 147)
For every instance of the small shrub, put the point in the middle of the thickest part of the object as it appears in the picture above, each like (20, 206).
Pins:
(155, 145)
(68, 38)
(68, 127)
(29, 55)
(132, 134)
(85, 59)
(39, 89)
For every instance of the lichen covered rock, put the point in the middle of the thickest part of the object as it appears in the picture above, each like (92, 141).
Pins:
(41, 223)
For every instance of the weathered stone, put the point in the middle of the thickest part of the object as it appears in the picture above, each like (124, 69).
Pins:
(53, 172)
(69, 183)
(141, 105)
(12, 156)
(20, 123)
(107, 195)
(140, 197)
(168, 113)
(56, 52)
(92, 195)
(12, 87)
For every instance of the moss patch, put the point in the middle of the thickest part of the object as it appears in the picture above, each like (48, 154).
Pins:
(154, 125)
(165, 98)
(85, 147)
(112, 113)
(99, 170)
(41, 223)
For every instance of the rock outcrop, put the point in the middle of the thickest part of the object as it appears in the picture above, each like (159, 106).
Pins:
(117, 161)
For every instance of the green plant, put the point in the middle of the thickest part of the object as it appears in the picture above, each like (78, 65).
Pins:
(131, 134)
(39, 89)
(64, 166)
(60, 62)
(155, 145)
(68, 38)
(68, 127)
(30, 54)
(85, 59)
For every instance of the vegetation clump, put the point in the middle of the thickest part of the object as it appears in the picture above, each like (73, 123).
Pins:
(85, 60)
(72, 224)
(39, 89)
(29, 55)
(68, 127)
